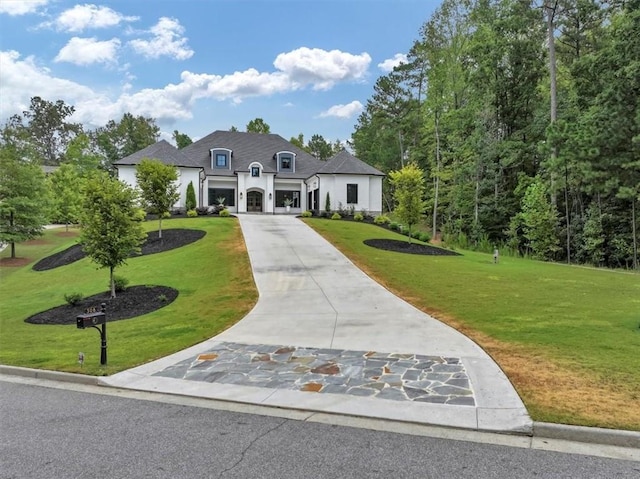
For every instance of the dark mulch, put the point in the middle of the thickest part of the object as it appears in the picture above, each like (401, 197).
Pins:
(406, 247)
(171, 239)
(132, 302)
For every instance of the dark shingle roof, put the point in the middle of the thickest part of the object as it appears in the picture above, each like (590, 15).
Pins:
(162, 150)
(247, 148)
(344, 163)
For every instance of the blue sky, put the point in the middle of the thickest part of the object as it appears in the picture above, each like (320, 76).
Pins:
(304, 66)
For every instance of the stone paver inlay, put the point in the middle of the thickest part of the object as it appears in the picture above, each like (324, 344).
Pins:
(396, 376)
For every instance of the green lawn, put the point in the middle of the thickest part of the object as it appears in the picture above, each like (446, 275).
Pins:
(578, 328)
(214, 280)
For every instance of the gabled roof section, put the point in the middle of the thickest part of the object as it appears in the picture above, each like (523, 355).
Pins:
(163, 151)
(248, 148)
(344, 163)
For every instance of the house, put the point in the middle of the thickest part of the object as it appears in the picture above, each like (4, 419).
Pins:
(263, 173)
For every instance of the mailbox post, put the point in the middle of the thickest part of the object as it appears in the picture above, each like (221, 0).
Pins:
(92, 318)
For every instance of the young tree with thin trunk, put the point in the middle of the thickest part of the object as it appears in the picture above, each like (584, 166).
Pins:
(23, 199)
(159, 187)
(110, 229)
(408, 194)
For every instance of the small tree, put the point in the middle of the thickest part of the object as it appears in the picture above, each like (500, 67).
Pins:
(539, 221)
(65, 187)
(258, 125)
(24, 200)
(327, 204)
(408, 193)
(110, 229)
(190, 202)
(158, 184)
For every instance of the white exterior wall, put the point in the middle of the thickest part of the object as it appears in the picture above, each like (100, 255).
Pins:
(127, 174)
(369, 192)
(185, 176)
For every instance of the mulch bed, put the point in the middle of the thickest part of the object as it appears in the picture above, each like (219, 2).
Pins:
(132, 302)
(171, 239)
(406, 247)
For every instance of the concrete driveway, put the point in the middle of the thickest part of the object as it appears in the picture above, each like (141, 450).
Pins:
(314, 302)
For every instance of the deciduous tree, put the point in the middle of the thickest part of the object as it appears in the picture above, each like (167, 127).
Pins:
(111, 231)
(408, 193)
(159, 187)
(23, 199)
(258, 125)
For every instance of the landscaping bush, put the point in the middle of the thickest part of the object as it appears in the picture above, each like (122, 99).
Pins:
(381, 220)
(336, 216)
(73, 298)
(202, 210)
(307, 214)
(358, 217)
(139, 215)
(120, 283)
(394, 226)
(165, 215)
(225, 213)
(192, 213)
(425, 237)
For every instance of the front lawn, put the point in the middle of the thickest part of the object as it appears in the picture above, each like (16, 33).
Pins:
(213, 277)
(567, 337)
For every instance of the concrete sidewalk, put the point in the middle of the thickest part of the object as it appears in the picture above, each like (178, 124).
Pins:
(315, 303)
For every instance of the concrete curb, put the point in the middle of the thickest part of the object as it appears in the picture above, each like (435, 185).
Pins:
(49, 375)
(591, 435)
(541, 430)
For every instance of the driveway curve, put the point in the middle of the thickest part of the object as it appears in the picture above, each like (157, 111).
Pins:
(320, 322)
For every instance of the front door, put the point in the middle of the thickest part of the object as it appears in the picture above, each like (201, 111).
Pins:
(254, 201)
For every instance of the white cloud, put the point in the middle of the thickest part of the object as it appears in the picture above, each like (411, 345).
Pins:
(167, 41)
(321, 68)
(82, 17)
(20, 79)
(20, 7)
(85, 51)
(343, 111)
(389, 64)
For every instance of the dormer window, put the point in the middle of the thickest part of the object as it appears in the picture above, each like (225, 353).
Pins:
(221, 158)
(286, 161)
(255, 171)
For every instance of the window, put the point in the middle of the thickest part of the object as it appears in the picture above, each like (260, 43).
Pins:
(282, 195)
(221, 160)
(352, 193)
(229, 195)
(255, 171)
(285, 163)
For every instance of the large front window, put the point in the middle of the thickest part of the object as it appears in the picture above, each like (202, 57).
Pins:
(287, 197)
(352, 194)
(217, 194)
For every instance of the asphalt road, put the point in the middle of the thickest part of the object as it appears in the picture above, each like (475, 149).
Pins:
(60, 433)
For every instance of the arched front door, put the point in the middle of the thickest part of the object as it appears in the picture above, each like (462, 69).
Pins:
(254, 201)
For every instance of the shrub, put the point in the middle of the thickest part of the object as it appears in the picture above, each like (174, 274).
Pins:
(202, 210)
(190, 201)
(327, 203)
(394, 226)
(165, 215)
(336, 216)
(381, 220)
(307, 214)
(342, 211)
(352, 210)
(425, 237)
(358, 217)
(139, 215)
(192, 213)
(163, 297)
(120, 283)
(225, 213)
(73, 298)
(365, 214)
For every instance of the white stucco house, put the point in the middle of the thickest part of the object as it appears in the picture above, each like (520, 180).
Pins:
(259, 173)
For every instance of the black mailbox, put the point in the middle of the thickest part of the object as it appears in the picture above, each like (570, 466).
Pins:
(88, 320)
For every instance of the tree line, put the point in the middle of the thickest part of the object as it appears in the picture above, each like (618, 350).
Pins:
(524, 117)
